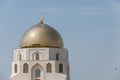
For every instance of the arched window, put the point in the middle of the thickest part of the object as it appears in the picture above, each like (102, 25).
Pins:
(37, 73)
(37, 56)
(49, 68)
(60, 68)
(25, 68)
(15, 68)
(20, 57)
(57, 56)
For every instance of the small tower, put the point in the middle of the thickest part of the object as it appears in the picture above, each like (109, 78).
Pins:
(41, 55)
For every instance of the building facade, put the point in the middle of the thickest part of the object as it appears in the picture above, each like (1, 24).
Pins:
(41, 55)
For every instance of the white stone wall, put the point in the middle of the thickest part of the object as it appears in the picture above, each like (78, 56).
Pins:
(46, 55)
(63, 54)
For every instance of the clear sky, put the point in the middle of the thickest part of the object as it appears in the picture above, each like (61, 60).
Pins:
(90, 30)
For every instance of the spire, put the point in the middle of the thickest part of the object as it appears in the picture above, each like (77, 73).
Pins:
(42, 19)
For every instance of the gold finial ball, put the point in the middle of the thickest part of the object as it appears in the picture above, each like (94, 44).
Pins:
(41, 35)
(42, 19)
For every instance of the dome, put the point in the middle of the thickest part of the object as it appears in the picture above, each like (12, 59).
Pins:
(41, 35)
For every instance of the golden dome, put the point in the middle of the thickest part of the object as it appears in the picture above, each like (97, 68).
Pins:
(41, 35)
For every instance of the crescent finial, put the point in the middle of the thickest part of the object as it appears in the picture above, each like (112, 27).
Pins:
(42, 18)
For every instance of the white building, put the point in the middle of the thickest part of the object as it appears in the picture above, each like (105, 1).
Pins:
(41, 55)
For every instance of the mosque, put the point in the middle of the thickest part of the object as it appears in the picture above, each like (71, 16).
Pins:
(41, 55)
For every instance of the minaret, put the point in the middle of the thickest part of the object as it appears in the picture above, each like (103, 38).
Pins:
(41, 55)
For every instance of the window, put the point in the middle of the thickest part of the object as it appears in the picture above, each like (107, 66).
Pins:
(57, 56)
(37, 73)
(15, 68)
(25, 68)
(37, 56)
(49, 68)
(60, 68)
(20, 57)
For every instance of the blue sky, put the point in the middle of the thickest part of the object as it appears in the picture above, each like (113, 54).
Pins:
(90, 30)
